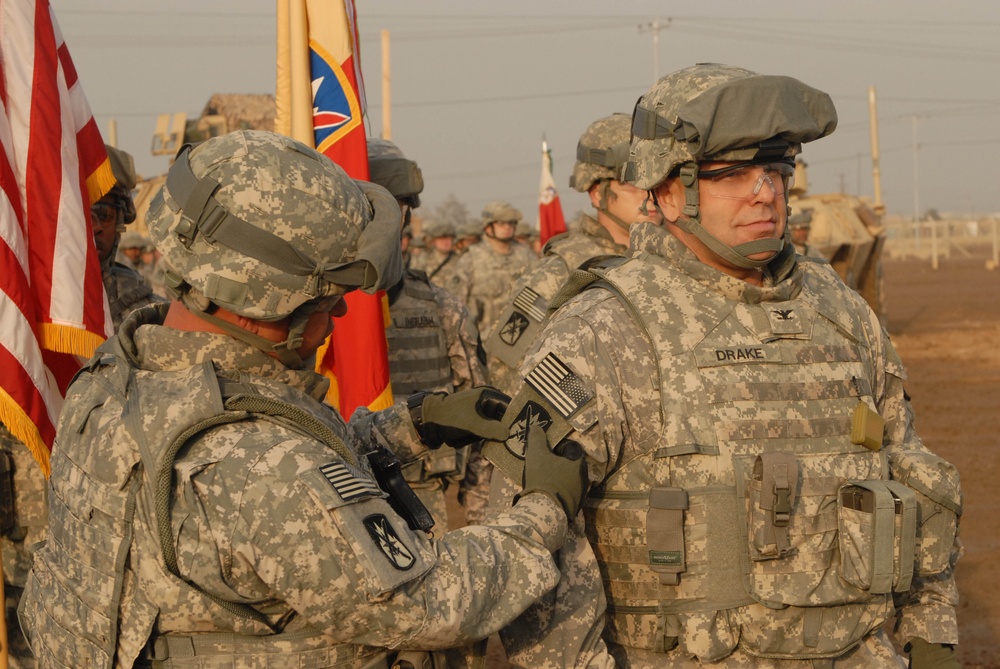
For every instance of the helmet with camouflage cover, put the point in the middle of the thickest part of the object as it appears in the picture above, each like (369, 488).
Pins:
(499, 211)
(433, 228)
(132, 240)
(389, 168)
(601, 151)
(720, 113)
(266, 227)
(123, 169)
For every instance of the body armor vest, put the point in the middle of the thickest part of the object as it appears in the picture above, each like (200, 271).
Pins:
(95, 604)
(732, 528)
(418, 349)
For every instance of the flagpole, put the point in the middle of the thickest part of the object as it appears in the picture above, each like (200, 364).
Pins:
(386, 88)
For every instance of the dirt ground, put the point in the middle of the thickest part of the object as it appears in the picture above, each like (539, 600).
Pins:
(946, 326)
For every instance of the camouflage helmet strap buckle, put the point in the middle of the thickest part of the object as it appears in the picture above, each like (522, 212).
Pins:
(689, 179)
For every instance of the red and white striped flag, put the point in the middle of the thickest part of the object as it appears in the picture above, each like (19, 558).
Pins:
(52, 167)
(550, 215)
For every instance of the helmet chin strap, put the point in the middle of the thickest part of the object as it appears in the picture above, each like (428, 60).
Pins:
(690, 222)
(602, 205)
(286, 351)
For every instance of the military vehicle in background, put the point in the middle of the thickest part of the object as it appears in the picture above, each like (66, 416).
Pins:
(223, 113)
(846, 231)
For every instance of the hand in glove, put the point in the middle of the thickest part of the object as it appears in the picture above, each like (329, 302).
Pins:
(924, 655)
(460, 418)
(560, 473)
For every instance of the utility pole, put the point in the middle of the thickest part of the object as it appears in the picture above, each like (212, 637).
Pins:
(916, 184)
(655, 27)
(386, 88)
(876, 170)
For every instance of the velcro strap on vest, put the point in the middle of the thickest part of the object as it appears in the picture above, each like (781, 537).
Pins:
(779, 477)
(906, 533)
(883, 550)
(665, 533)
(293, 649)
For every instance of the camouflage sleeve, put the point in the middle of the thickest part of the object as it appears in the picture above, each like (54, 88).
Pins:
(564, 628)
(345, 562)
(465, 350)
(928, 609)
(391, 428)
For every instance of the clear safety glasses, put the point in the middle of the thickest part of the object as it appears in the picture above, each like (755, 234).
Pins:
(743, 181)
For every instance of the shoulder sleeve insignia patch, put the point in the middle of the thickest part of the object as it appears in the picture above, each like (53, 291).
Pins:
(531, 303)
(557, 383)
(385, 537)
(349, 486)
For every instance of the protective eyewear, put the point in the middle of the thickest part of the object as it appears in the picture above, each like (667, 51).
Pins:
(743, 181)
(105, 213)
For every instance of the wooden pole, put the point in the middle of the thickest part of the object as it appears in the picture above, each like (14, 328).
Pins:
(386, 88)
(876, 170)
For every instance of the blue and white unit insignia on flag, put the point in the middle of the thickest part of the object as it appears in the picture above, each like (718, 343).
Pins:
(531, 304)
(348, 485)
(559, 385)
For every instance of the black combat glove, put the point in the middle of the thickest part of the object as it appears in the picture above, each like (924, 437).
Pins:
(459, 419)
(560, 473)
(924, 655)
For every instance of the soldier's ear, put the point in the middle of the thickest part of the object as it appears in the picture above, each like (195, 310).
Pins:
(669, 195)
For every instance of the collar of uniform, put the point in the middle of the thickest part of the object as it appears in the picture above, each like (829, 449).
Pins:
(589, 225)
(159, 349)
(783, 284)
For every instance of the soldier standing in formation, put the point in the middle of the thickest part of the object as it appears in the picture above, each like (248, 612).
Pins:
(433, 344)
(439, 259)
(125, 287)
(487, 270)
(760, 496)
(206, 508)
(600, 155)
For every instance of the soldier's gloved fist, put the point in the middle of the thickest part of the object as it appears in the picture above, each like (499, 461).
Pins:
(924, 655)
(560, 473)
(460, 418)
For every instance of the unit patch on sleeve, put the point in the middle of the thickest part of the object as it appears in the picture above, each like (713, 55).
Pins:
(347, 484)
(532, 415)
(388, 541)
(557, 383)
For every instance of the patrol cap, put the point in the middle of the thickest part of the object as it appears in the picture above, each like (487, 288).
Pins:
(601, 151)
(499, 211)
(261, 224)
(713, 112)
(389, 168)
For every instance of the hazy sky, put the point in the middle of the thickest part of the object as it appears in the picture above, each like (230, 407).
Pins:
(476, 84)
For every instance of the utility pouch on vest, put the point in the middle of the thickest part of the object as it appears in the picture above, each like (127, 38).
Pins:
(877, 533)
(772, 496)
(420, 659)
(665, 533)
(7, 518)
(867, 427)
(939, 505)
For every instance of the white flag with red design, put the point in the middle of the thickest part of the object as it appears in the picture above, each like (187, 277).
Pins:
(550, 216)
(53, 166)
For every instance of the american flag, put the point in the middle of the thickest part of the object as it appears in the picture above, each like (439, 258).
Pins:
(559, 385)
(52, 167)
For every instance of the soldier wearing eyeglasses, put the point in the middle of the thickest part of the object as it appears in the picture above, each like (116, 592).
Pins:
(760, 497)
(125, 287)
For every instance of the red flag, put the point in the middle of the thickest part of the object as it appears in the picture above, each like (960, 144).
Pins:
(52, 167)
(550, 216)
(320, 100)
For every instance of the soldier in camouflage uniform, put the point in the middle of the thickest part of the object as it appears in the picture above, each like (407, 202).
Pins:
(438, 260)
(206, 509)
(600, 156)
(466, 235)
(125, 287)
(760, 496)
(433, 344)
(487, 270)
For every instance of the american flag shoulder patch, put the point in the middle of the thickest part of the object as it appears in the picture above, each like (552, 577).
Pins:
(557, 383)
(349, 485)
(531, 304)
